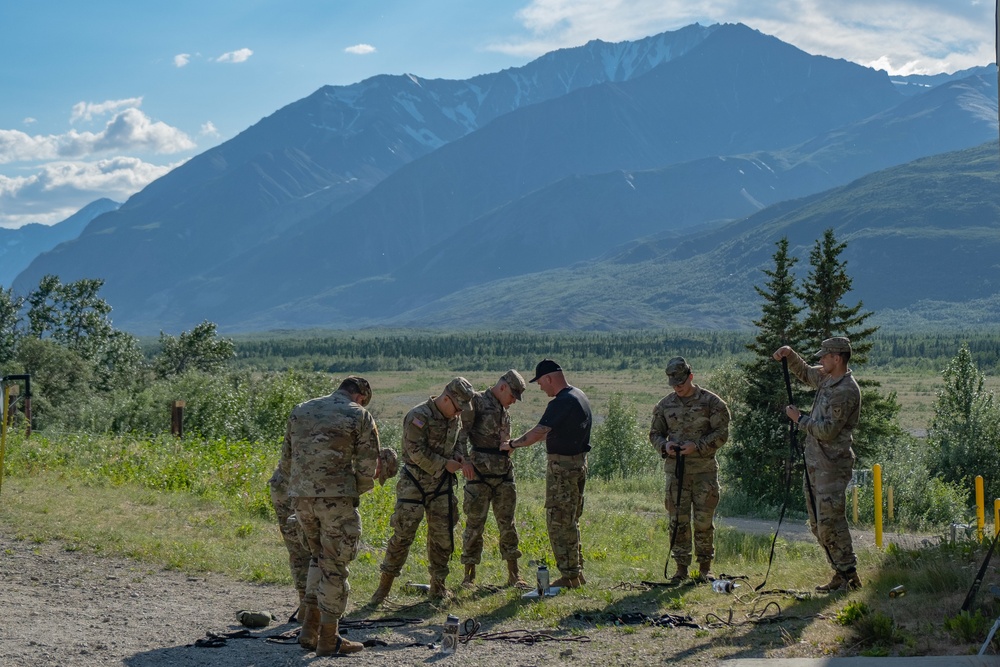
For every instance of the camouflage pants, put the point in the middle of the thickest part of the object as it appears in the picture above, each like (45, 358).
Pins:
(830, 527)
(406, 517)
(480, 495)
(291, 534)
(565, 480)
(699, 496)
(332, 528)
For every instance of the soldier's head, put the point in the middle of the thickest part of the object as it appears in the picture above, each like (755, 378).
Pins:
(456, 397)
(509, 388)
(680, 376)
(549, 376)
(358, 388)
(834, 353)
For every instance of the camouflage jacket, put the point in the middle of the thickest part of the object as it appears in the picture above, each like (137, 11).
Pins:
(829, 427)
(429, 442)
(484, 426)
(331, 449)
(701, 418)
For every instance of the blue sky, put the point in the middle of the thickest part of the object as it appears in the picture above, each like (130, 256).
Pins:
(100, 98)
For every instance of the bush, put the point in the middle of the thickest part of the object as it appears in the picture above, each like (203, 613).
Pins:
(621, 448)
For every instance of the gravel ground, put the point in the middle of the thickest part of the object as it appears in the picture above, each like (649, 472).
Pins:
(76, 609)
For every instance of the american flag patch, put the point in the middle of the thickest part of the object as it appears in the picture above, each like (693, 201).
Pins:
(416, 422)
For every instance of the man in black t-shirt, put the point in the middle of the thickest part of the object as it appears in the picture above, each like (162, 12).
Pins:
(565, 428)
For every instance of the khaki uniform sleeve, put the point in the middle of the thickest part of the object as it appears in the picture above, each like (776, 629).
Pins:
(826, 427)
(659, 435)
(416, 446)
(811, 375)
(719, 418)
(468, 419)
(366, 455)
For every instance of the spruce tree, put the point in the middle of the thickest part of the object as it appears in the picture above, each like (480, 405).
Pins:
(758, 452)
(823, 291)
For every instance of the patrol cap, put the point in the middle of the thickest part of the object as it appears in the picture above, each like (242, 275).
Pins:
(836, 345)
(364, 388)
(515, 382)
(544, 367)
(389, 464)
(460, 390)
(678, 371)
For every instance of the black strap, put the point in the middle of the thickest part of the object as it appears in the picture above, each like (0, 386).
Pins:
(978, 581)
(793, 449)
(491, 451)
(426, 498)
(481, 478)
(679, 475)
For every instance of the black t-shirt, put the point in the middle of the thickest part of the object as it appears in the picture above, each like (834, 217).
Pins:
(568, 415)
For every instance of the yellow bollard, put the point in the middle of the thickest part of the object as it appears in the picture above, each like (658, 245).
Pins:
(980, 510)
(890, 502)
(877, 475)
(855, 502)
(3, 430)
(996, 517)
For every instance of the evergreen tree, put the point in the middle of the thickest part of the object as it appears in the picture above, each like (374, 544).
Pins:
(758, 452)
(965, 434)
(10, 307)
(822, 292)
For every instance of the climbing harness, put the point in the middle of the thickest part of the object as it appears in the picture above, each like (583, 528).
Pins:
(427, 497)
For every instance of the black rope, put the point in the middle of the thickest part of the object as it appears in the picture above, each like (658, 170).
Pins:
(679, 475)
(472, 627)
(793, 448)
(978, 581)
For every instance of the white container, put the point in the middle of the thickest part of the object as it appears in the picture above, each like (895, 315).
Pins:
(449, 637)
(543, 580)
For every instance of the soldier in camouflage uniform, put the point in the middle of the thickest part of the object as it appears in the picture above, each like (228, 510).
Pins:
(829, 457)
(691, 423)
(288, 525)
(565, 428)
(332, 448)
(489, 475)
(431, 458)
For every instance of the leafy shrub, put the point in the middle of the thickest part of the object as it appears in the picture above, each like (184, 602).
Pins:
(621, 448)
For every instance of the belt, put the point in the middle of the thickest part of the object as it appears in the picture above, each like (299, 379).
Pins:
(491, 451)
(568, 457)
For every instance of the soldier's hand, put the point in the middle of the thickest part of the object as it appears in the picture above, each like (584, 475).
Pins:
(468, 471)
(505, 446)
(689, 448)
(452, 465)
(782, 352)
(672, 448)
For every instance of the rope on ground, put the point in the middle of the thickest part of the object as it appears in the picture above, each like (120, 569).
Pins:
(472, 627)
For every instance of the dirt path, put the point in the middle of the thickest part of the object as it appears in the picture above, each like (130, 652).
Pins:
(75, 609)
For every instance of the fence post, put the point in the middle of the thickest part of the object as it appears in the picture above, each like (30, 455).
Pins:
(890, 503)
(3, 428)
(877, 475)
(177, 418)
(980, 509)
(996, 517)
(854, 503)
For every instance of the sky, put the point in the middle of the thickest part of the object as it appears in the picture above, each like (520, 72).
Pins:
(101, 98)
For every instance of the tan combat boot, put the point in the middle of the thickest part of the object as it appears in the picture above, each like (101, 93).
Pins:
(438, 590)
(300, 612)
(310, 627)
(514, 575)
(566, 582)
(470, 574)
(331, 643)
(837, 583)
(384, 586)
(705, 571)
(680, 575)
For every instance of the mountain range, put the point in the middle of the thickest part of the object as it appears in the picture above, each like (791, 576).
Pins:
(406, 201)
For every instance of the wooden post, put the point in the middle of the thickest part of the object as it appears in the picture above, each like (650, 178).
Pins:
(890, 504)
(855, 503)
(177, 418)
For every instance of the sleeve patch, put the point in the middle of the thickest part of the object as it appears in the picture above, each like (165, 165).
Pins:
(416, 421)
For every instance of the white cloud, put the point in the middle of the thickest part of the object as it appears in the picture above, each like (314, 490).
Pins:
(87, 110)
(238, 56)
(130, 129)
(182, 59)
(59, 189)
(926, 36)
(29, 120)
(208, 129)
(360, 49)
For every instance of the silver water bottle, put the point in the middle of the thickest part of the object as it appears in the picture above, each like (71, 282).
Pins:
(543, 580)
(449, 637)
